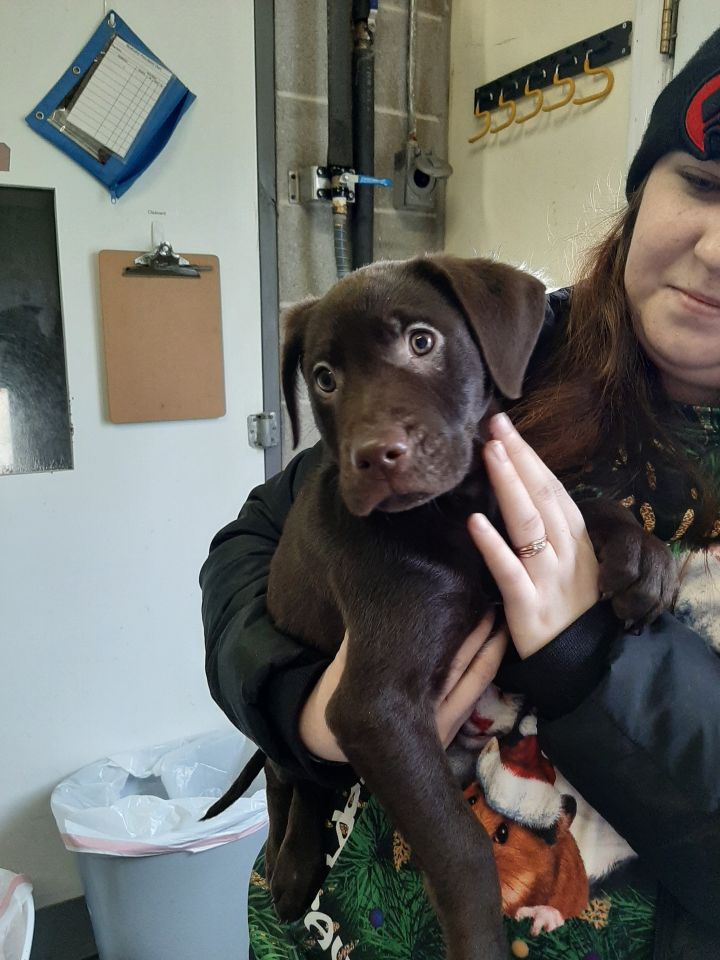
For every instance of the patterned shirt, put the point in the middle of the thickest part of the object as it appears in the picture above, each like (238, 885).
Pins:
(572, 889)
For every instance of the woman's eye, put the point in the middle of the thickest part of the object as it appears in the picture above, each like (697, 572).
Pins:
(421, 342)
(699, 183)
(325, 379)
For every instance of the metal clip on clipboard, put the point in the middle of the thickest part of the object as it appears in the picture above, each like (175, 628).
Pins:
(163, 262)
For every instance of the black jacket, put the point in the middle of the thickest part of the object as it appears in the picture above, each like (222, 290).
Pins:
(632, 721)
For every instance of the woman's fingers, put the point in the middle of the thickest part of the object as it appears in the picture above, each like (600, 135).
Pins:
(552, 501)
(469, 649)
(479, 673)
(506, 568)
(457, 704)
(526, 520)
(547, 573)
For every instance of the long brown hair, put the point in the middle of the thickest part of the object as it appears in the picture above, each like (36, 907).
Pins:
(597, 398)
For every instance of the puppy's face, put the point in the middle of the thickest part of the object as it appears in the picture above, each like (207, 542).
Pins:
(397, 388)
(397, 382)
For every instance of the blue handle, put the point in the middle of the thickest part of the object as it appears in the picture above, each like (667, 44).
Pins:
(375, 181)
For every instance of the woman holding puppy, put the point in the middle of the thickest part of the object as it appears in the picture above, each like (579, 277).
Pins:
(623, 400)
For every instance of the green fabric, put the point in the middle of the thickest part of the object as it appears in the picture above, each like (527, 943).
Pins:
(373, 906)
(660, 496)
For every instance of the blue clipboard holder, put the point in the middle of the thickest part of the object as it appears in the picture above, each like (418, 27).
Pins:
(116, 173)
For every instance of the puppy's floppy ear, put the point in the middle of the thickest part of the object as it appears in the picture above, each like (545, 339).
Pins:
(295, 323)
(504, 307)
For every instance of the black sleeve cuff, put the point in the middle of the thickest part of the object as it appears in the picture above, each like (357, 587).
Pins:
(291, 688)
(563, 673)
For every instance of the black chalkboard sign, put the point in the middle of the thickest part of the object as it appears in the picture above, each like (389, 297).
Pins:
(35, 431)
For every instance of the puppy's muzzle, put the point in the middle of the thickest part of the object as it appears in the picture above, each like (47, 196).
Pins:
(382, 472)
(387, 454)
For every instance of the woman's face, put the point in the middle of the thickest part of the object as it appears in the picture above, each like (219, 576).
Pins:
(672, 276)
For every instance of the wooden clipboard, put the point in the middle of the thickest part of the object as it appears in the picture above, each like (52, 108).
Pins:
(162, 341)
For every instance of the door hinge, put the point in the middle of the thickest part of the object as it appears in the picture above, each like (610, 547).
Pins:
(263, 430)
(668, 27)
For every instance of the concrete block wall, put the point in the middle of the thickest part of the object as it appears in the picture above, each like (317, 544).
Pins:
(305, 247)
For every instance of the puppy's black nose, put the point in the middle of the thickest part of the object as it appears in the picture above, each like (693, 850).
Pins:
(386, 454)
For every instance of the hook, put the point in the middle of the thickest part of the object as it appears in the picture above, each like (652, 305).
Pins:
(596, 71)
(485, 116)
(567, 82)
(510, 104)
(538, 94)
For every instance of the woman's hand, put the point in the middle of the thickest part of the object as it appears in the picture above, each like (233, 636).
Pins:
(472, 669)
(557, 581)
(471, 672)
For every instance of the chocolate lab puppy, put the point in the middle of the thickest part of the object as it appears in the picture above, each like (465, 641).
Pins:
(403, 363)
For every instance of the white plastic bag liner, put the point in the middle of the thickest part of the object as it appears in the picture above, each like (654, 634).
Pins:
(17, 916)
(150, 801)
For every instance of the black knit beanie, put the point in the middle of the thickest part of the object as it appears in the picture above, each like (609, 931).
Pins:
(686, 115)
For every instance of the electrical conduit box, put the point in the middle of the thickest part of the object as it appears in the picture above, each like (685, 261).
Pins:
(417, 173)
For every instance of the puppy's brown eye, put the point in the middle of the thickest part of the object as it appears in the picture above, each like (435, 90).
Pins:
(421, 342)
(325, 379)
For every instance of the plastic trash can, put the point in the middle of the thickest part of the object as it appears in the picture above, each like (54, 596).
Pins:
(17, 916)
(159, 884)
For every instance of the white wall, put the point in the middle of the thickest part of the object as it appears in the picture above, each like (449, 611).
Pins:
(696, 21)
(99, 605)
(536, 192)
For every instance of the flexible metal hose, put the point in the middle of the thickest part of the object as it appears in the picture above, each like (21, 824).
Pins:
(341, 239)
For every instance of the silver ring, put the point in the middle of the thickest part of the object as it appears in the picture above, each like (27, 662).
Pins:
(533, 548)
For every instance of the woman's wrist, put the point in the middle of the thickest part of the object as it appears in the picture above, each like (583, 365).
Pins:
(312, 725)
(575, 661)
(535, 634)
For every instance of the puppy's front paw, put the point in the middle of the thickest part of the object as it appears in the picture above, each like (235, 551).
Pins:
(637, 571)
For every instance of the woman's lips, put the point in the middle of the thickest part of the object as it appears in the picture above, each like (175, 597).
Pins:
(698, 302)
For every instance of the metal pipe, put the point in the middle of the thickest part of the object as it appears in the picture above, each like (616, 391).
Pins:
(340, 132)
(412, 42)
(339, 21)
(363, 92)
(360, 10)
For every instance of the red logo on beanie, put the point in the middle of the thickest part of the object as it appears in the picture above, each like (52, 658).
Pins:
(703, 112)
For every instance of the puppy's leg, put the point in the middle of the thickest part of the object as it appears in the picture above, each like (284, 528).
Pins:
(392, 743)
(299, 864)
(279, 791)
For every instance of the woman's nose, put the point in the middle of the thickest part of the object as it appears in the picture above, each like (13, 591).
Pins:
(707, 248)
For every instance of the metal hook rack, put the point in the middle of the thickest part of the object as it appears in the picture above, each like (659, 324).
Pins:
(611, 44)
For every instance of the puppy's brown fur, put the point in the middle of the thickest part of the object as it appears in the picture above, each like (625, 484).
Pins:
(403, 362)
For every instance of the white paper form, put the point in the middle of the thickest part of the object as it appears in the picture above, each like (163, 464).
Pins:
(118, 97)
